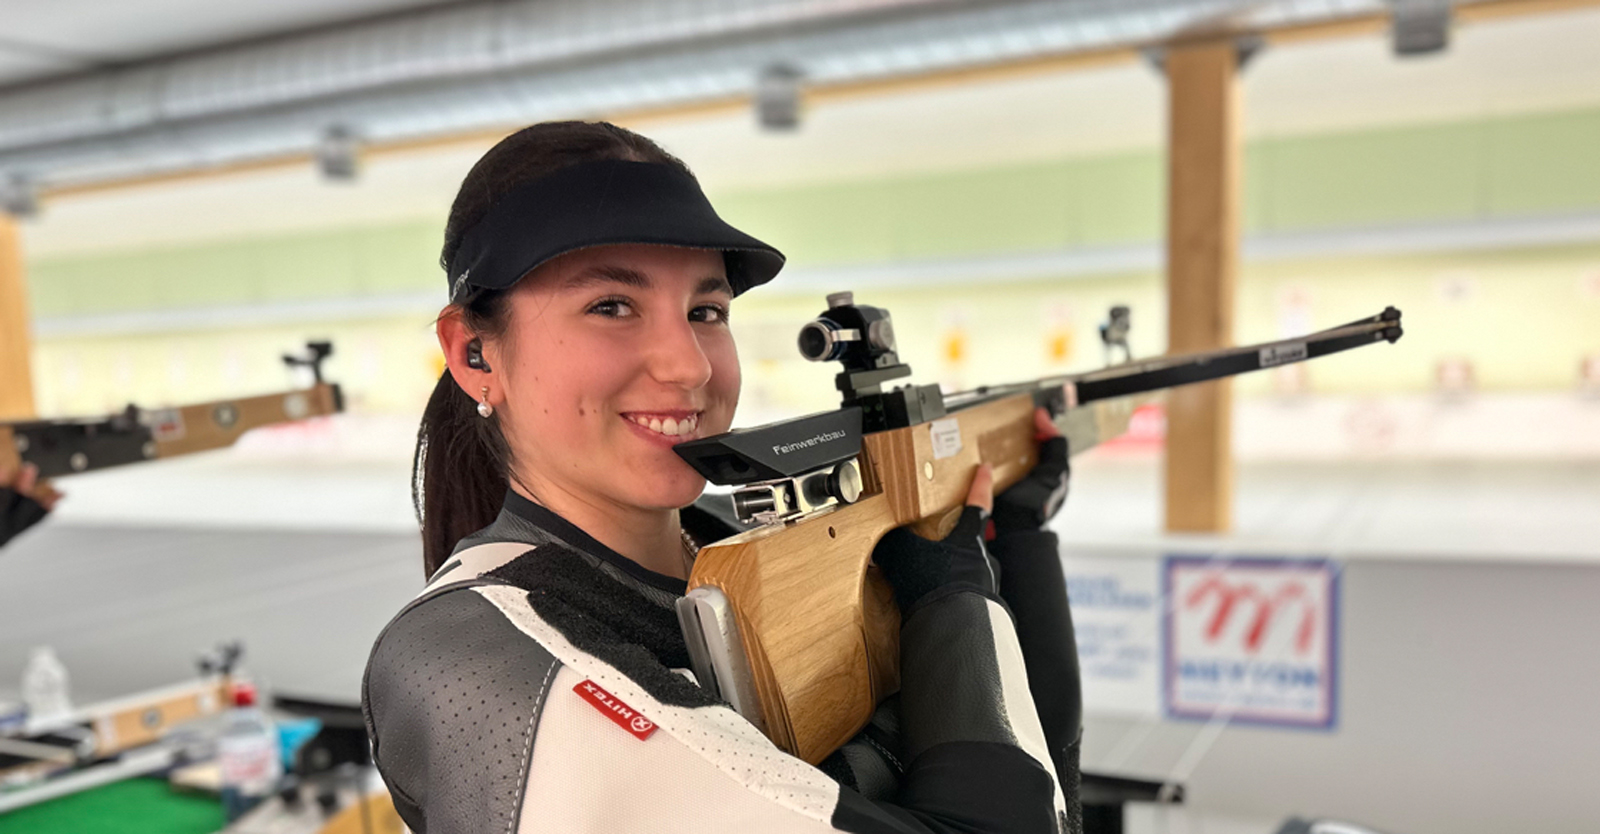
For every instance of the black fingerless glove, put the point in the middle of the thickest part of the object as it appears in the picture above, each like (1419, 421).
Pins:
(916, 567)
(18, 512)
(1034, 500)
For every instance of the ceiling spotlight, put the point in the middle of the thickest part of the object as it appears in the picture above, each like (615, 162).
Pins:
(337, 153)
(1420, 26)
(19, 197)
(778, 97)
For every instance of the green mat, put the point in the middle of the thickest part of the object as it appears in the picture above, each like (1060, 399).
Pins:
(133, 806)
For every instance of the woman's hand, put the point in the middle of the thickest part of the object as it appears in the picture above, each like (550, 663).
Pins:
(24, 500)
(1031, 502)
(25, 481)
(916, 567)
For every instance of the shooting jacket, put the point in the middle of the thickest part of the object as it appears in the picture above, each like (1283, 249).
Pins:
(540, 683)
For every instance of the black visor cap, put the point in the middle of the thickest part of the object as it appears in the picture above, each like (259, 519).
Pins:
(595, 204)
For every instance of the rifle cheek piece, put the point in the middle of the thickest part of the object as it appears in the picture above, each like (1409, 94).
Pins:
(786, 469)
(784, 449)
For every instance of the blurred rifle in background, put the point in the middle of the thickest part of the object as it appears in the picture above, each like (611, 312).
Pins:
(70, 446)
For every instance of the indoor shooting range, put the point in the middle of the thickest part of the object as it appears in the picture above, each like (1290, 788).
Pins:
(879, 416)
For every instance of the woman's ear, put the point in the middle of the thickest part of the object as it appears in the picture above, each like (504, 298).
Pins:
(463, 353)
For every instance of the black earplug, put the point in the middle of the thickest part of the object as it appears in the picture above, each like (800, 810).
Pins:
(475, 356)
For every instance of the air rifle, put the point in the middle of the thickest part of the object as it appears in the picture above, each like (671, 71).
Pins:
(789, 621)
(134, 435)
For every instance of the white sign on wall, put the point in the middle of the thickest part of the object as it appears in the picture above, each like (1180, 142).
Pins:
(1251, 639)
(1116, 614)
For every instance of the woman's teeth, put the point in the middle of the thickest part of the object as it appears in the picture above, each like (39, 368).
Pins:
(669, 426)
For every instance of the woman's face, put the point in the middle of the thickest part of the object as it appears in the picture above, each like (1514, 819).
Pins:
(613, 355)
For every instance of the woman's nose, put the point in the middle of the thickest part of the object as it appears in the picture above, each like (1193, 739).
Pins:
(676, 357)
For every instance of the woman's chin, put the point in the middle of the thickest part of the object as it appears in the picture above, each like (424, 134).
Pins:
(679, 490)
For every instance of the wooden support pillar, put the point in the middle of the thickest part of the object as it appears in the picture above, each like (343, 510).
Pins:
(16, 341)
(1204, 159)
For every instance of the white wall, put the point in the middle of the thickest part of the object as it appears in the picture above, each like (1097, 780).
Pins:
(1467, 704)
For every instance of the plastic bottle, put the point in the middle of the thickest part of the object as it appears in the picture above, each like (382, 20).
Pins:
(44, 686)
(247, 754)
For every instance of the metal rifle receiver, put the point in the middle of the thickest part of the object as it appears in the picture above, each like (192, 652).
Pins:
(796, 467)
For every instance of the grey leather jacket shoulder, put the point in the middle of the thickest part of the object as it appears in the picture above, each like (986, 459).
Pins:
(539, 684)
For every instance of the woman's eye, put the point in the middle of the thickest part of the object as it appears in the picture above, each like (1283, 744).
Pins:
(614, 308)
(709, 314)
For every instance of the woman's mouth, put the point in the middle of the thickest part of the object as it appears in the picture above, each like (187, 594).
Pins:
(676, 426)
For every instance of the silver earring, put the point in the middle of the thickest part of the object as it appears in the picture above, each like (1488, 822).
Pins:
(484, 408)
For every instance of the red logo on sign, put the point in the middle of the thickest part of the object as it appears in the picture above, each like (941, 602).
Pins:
(1229, 597)
(620, 714)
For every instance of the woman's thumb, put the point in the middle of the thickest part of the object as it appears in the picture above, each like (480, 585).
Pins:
(982, 492)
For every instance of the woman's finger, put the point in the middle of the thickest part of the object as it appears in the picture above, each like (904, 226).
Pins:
(1043, 427)
(982, 492)
(28, 479)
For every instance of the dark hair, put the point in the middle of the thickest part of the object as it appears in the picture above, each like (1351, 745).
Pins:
(460, 471)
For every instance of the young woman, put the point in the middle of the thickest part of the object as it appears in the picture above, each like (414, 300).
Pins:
(538, 683)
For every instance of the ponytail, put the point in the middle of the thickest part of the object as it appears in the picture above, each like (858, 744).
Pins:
(458, 474)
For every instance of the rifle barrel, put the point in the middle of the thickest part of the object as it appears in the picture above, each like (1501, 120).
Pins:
(1171, 371)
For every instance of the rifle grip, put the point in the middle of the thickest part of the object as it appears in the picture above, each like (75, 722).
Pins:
(938, 525)
(881, 628)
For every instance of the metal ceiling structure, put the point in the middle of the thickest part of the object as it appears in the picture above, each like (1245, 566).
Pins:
(475, 67)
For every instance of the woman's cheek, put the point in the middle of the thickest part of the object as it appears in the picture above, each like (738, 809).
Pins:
(726, 375)
(548, 405)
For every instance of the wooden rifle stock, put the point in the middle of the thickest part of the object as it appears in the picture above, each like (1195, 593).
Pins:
(813, 622)
(818, 622)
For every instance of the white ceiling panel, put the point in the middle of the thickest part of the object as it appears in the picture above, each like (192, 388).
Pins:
(1540, 63)
(80, 34)
(17, 65)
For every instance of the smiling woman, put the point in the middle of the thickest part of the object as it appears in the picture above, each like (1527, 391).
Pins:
(619, 352)
(539, 682)
(607, 227)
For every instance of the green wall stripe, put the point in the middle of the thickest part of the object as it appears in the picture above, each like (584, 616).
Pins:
(1482, 169)
(340, 263)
